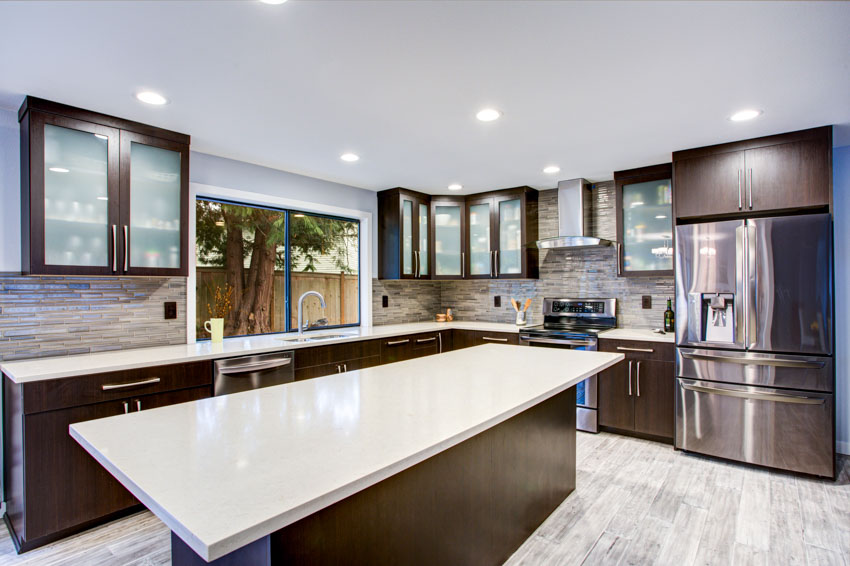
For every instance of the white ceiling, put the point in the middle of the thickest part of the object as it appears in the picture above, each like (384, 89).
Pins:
(590, 86)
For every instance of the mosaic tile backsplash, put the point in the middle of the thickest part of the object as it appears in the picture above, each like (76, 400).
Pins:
(566, 273)
(58, 316)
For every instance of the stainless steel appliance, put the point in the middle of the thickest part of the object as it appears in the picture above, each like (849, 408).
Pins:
(754, 335)
(574, 217)
(233, 375)
(574, 324)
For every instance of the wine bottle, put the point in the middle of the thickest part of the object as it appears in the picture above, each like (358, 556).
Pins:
(669, 321)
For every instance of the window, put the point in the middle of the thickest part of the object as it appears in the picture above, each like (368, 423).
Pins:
(253, 264)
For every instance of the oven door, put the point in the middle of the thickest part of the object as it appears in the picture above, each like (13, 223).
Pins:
(586, 394)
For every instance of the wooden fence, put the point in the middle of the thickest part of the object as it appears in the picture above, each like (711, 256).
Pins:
(338, 289)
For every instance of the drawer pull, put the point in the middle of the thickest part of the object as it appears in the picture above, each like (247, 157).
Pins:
(126, 407)
(110, 386)
(494, 339)
(775, 397)
(397, 342)
(627, 349)
(802, 364)
(138, 404)
(423, 340)
(256, 366)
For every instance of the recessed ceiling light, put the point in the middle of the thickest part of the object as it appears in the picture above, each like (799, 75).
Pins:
(350, 157)
(551, 169)
(150, 97)
(488, 114)
(745, 115)
(101, 136)
(59, 169)
(273, 2)
(455, 187)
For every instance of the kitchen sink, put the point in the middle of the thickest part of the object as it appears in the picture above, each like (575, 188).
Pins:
(314, 338)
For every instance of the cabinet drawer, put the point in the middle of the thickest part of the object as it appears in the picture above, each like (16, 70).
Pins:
(55, 394)
(336, 353)
(496, 338)
(635, 350)
(396, 349)
(339, 367)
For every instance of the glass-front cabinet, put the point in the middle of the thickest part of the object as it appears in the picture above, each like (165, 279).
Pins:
(479, 222)
(100, 199)
(645, 221)
(449, 245)
(404, 234)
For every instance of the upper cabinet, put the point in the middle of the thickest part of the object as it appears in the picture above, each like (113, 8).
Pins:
(482, 236)
(101, 195)
(645, 221)
(776, 173)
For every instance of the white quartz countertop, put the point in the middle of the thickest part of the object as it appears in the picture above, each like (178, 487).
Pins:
(69, 366)
(225, 471)
(638, 334)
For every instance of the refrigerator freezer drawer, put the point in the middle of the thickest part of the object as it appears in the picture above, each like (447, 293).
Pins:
(813, 373)
(778, 428)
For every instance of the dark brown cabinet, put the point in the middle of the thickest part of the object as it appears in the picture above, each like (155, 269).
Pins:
(101, 195)
(785, 172)
(319, 361)
(404, 221)
(53, 486)
(482, 236)
(636, 395)
(469, 338)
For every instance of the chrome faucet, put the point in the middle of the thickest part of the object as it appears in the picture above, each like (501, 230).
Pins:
(301, 309)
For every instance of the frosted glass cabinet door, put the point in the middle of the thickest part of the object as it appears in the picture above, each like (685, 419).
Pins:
(447, 240)
(153, 183)
(423, 239)
(510, 237)
(480, 258)
(407, 237)
(647, 226)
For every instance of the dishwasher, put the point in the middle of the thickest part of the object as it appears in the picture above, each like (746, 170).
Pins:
(233, 375)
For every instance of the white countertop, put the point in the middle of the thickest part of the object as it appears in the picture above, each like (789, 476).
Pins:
(68, 366)
(225, 471)
(638, 334)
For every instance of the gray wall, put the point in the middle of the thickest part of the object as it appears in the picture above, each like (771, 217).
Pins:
(570, 273)
(841, 237)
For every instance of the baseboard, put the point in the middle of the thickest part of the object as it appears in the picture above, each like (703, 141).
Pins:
(843, 447)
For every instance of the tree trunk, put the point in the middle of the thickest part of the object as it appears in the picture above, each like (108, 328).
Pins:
(234, 273)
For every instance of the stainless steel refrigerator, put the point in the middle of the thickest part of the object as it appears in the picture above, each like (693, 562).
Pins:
(754, 336)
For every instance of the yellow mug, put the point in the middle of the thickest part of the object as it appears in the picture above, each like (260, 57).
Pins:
(215, 326)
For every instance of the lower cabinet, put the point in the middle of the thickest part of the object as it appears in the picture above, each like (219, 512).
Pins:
(337, 367)
(636, 395)
(53, 486)
(468, 338)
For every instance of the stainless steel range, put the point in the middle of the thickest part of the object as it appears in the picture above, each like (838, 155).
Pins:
(574, 324)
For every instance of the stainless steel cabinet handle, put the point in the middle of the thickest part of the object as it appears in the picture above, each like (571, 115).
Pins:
(440, 341)
(114, 247)
(423, 340)
(619, 257)
(494, 339)
(497, 263)
(775, 397)
(338, 368)
(111, 386)
(755, 361)
(398, 342)
(418, 265)
(126, 407)
(627, 349)
(138, 404)
(637, 380)
(751, 188)
(256, 366)
(126, 248)
(492, 264)
(344, 367)
(630, 378)
(740, 193)
(463, 264)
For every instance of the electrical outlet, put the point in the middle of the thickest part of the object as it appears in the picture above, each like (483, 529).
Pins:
(385, 301)
(170, 310)
(646, 302)
(497, 301)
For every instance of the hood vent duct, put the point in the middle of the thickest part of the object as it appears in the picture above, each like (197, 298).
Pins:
(574, 218)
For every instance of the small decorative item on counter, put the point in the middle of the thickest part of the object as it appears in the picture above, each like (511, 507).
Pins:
(521, 317)
(669, 317)
(215, 326)
(441, 317)
(449, 316)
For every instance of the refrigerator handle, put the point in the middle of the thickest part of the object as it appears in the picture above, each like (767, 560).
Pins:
(740, 286)
(752, 285)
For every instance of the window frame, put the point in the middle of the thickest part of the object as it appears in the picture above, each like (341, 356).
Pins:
(288, 212)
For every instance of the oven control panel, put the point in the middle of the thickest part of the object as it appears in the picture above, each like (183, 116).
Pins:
(593, 308)
(588, 307)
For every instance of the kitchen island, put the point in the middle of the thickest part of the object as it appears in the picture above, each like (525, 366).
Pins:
(454, 458)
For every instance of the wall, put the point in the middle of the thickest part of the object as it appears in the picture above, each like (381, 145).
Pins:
(10, 192)
(841, 237)
(570, 273)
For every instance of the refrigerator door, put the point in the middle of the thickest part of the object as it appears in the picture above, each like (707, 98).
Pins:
(779, 428)
(710, 284)
(790, 284)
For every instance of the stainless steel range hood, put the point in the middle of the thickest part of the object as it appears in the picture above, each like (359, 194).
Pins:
(574, 218)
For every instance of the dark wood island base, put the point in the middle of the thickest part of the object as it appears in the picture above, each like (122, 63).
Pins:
(473, 504)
